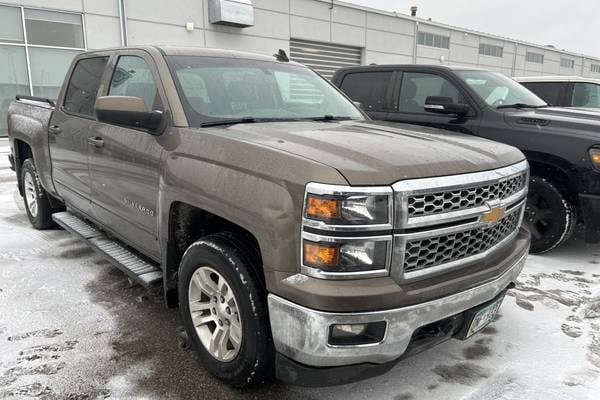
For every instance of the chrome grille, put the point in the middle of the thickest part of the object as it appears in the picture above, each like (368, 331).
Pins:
(437, 250)
(464, 198)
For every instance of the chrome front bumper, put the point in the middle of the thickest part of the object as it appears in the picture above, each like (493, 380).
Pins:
(301, 334)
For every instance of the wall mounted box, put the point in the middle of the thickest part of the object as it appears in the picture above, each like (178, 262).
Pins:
(238, 13)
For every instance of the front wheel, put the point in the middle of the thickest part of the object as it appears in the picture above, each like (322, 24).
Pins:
(37, 203)
(224, 311)
(549, 214)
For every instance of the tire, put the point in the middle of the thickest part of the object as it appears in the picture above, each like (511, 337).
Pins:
(35, 198)
(213, 258)
(549, 214)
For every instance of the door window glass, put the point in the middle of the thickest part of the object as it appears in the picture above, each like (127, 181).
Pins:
(547, 91)
(416, 87)
(133, 77)
(368, 88)
(586, 95)
(83, 85)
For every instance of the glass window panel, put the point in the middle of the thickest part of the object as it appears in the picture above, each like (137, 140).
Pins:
(133, 77)
(84, 84)
(586, 95)
(50, 28)
(48, 69)
(11, 26)
(416, 87)
(13, 79)
(368, 88)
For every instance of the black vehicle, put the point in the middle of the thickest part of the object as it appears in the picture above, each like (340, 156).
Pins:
(561, 145)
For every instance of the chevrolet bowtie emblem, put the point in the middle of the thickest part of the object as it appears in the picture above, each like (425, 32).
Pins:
(494, 215)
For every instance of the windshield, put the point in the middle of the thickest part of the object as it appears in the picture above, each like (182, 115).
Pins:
(229, 89)
(499, 91)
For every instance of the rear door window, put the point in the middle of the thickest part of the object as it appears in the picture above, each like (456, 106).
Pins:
(368, 88)
(416, 87)
(550, 92)
(82, 90)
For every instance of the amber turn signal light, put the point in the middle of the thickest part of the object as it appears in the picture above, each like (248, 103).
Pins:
(322, 208)
(319, 255)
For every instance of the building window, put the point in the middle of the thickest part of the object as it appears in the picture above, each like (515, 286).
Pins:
(490, 50)
(433, 40)
(567, 63)
(35, 59)
(534, 58)
(595, 67)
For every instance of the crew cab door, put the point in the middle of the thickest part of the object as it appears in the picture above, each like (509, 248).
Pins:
(70, 129)
(125, 162)
(411, 91)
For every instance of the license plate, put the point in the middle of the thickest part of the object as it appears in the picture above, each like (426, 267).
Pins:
(483, 317)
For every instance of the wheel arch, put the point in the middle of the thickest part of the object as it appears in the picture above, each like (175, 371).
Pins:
(187, 224)
(553, 168)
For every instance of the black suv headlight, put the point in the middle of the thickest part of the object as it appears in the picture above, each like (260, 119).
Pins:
(595, 157)
(347, 231)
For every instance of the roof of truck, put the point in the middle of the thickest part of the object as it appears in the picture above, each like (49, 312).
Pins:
(555, 78)
(198, 52)
(424, 66)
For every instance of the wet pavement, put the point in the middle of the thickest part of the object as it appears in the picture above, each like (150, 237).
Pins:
(73, 327)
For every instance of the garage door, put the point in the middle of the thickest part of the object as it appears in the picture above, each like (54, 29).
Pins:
(325, 58)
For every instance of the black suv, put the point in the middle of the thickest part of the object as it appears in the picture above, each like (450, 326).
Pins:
(562, 145)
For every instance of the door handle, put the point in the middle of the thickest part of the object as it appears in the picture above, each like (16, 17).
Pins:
(55, 129)
(96, 142)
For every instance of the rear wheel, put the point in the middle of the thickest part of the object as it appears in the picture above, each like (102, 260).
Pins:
(37, 203)
(224, 311)
(549, 214)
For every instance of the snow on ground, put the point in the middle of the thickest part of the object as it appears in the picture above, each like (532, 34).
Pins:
(71, 327)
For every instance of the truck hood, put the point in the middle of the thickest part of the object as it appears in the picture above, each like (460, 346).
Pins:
(375, 153)
(583, 123)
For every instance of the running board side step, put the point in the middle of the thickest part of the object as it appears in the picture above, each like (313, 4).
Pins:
(138, 269)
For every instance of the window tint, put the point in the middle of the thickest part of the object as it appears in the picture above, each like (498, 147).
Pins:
(548, 91)
(133, 77)
(416, 87)
(586, 95)
(83, 86)
(368, 88)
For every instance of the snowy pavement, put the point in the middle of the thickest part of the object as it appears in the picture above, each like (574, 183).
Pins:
(71, 327)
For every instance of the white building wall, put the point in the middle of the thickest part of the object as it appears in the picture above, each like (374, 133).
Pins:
(383, 37)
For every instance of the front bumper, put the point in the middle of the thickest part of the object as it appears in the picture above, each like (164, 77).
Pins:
(302, 334)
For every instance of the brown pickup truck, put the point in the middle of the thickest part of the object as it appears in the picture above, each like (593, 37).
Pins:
(298, 238)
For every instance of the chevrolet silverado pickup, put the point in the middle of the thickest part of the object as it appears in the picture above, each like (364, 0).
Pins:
(562, 145)
(299, 239)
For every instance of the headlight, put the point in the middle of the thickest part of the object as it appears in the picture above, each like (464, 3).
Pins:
(335, 255)
(332, 216)
(331, 207)
(595, 156)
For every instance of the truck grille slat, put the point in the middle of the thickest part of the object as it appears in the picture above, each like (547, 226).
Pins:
(438, 250)
(464, 198)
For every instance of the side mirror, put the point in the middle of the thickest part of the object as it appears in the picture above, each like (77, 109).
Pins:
(128, 111)
(445, 105)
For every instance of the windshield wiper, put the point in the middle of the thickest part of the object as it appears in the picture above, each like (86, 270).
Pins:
(245, 120)
(329, 117)
(519, 106)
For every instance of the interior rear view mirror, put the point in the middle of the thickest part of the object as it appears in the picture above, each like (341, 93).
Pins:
(445, 105)
(128, 111)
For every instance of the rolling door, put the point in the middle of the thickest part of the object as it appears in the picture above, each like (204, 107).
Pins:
(325, 58)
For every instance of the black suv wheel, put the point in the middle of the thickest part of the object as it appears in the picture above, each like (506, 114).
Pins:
(549, 215)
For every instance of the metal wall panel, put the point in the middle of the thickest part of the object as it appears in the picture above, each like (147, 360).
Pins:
(325, 58)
